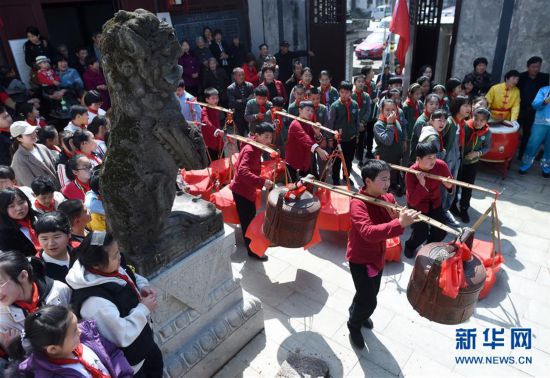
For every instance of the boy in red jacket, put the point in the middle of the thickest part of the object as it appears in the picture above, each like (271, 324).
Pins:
(423, 194)
(371, 225)
(247, 179)
(211, 132)
(303, 139)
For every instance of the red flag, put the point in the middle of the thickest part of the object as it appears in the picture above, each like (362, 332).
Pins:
(400, 25)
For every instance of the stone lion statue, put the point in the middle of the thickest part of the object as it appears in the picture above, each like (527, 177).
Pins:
(150, 138)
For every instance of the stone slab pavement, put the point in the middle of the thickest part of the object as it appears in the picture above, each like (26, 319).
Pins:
(306, 295)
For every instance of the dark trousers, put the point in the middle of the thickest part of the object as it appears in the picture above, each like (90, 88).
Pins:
(153, 365)
(240, 122)
(366, 289)
(423, 232)
(348, 149)
(214, 154)
(293, 173)
(247, 211)
(467, 173)
(360, 149)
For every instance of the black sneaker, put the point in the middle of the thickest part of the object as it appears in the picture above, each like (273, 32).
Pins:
(522, 172)
(336, 182)
(409, 252)
(356, 337)
(368, 324)
(255, 256)
(545, 175)
(464, 217)
(450, 219)
(454, 210)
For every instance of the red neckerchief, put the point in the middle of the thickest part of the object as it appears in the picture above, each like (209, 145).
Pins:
(84, 188)
(32, 306)
(462, 131)
(97, 137)
(414, 105)
(34, 238)
(440, 140)
(324, 91)
(348, 110)
(78, 351)
(55, 148)
(262, 108)
(306, 86)
(427, 115)
(45, 209)
(91, 110)
(476, 133)
(32, 122)
(382, 117)
(314, 118)
(90, 156)
(442, 103)
(359, 98)
(117, 274)
(297, 102)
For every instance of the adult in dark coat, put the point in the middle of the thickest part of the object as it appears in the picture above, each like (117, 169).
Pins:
(285, 58)
(36, 46)
(220, 51)
(238, 93)
(237, 53)
(529, 84)
(215, 77)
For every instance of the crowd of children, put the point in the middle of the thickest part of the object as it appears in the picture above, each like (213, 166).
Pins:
(54, 246)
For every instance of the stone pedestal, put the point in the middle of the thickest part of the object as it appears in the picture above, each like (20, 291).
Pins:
(204, 317)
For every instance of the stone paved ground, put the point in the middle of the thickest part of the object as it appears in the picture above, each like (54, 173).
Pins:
(306, 294)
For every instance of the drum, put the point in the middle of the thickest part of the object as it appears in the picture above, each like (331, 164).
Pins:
(290, 222)
(505, 141)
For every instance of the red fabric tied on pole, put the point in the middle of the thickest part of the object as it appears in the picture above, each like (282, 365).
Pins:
(268, 169)
(259, 243)
(492, 262)
(452, 278)
(224, 201)
(399, 25)
(334, 214)
(199, 182)
(393, 249)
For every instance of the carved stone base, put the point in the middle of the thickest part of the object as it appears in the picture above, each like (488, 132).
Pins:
(204, 317)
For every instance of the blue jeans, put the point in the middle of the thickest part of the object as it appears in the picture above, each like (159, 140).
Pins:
(540, 134)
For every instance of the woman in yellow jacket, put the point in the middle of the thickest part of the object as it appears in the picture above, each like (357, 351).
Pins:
(503, 99)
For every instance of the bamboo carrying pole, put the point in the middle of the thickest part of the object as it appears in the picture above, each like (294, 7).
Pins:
(207, 105)
(314, 124)
(259, 145)
(445, 179)
(376, 201)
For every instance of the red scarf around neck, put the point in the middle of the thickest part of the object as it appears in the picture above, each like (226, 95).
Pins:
(306, 86)
(442, 103)
(414, 104)
(117, 274)
(32, 306)
(369, 88)
(324, 91)
(34, 238)
(90, 156)
(427, 114)
(476, 133)
(382, 117)
(45, 209)
(359, 98)
(314, 117)
(92, 110)
(279, 122)
(84, 187)
(347, 104)
(262, 108)
(461, 127)
(78, 352)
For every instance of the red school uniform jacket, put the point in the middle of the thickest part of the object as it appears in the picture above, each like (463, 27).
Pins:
(301, 138)
(423, 198)
(371, 225)
(211, 119)
(247, 173)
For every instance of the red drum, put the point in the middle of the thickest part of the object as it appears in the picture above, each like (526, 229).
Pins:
(505, 141)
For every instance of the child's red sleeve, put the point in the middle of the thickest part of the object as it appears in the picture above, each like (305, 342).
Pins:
(369, 231)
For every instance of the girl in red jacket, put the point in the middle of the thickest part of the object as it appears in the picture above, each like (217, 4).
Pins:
(247, 179)
(371, 225)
